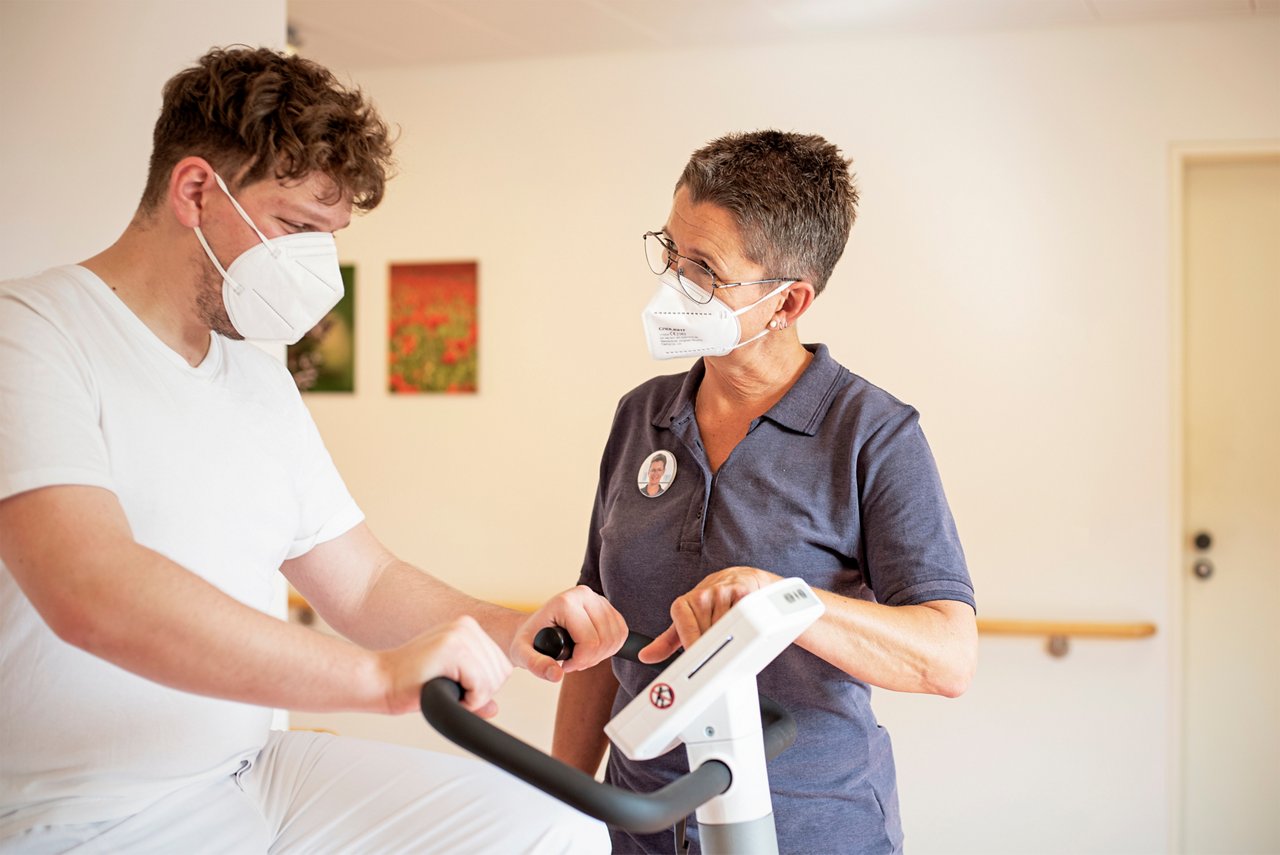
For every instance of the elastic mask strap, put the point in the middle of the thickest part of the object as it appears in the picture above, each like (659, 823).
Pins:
(204, 243)
(764, 332)
(244, 216)
(785, 285)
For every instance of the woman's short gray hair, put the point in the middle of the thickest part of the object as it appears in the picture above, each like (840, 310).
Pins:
(793, 196)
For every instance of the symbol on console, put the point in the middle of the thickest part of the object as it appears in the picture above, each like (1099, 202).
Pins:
(662, 696)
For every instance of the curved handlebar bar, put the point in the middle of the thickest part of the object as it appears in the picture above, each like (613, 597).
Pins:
(648, 812)
(621, 808)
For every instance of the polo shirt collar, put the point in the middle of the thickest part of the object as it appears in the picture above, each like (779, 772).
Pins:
(800, 410)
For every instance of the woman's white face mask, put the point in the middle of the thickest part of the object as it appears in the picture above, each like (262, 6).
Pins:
(676, 326)
(280, 288)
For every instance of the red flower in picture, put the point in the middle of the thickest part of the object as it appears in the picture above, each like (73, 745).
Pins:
(434, 327)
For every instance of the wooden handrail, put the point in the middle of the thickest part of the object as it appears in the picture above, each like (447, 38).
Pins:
(1057, 632)
(1001, 626)
(1060, 632)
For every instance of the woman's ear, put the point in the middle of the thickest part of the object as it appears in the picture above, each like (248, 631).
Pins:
(189, 182)
(796, 301)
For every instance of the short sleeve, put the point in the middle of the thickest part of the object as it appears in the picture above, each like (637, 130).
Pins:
(49, 421)
(327, 509)
(590, 575)
(912, 549)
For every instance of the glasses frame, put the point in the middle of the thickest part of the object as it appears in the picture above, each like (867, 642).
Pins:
(693, 290)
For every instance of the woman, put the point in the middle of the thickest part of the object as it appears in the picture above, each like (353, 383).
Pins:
(789, 465)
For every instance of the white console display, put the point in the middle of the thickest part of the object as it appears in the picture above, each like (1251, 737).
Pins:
(758, 627)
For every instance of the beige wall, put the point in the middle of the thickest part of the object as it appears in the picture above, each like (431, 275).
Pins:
(1009, 275)
(80, 88)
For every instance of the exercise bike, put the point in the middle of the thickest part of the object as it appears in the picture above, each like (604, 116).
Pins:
(705, 698)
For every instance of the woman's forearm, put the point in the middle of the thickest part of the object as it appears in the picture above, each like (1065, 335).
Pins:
(929, 648)
(586, 699)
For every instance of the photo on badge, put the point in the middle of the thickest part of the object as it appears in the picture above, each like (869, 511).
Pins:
(656, 474)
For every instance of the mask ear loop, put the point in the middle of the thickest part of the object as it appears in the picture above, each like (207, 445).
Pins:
(209, 252)
(764, 332)
(273, 250)
(785, 285)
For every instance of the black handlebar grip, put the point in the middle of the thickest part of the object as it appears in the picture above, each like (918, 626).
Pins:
(554, 641)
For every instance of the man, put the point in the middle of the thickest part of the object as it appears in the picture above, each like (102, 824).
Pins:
(156, 470)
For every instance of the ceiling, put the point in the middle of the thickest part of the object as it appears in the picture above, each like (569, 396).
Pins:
(359, 34)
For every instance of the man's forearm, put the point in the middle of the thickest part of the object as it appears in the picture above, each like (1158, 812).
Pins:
(403, 601)
(101, 591)
(173, 628)
(373, 598)
(378, 601)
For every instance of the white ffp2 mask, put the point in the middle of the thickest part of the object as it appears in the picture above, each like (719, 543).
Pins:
(676, 326)
(281, 287)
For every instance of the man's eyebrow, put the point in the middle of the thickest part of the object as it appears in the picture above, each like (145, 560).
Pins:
(315, 217)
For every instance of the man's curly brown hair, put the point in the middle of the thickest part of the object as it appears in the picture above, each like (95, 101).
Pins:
(268, 114)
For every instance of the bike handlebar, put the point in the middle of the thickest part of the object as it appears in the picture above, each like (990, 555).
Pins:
(617, 807)
(648, 812)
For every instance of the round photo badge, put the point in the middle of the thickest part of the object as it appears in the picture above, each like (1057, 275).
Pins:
(656, 474)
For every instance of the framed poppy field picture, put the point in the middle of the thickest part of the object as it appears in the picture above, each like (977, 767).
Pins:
(433, 328)
(324, 360)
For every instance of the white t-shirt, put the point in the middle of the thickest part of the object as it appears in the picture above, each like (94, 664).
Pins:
(218, 467)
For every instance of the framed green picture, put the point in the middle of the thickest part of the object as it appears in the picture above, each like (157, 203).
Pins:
(324, 360)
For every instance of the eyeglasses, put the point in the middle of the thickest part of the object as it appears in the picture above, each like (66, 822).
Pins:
(696, 279)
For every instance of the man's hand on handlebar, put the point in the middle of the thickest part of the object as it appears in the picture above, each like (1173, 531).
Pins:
(459, 650)
(598, 630)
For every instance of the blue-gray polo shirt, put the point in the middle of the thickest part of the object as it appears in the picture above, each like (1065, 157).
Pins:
(835, 484)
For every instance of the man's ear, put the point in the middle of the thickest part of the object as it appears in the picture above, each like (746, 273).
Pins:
(189, 183)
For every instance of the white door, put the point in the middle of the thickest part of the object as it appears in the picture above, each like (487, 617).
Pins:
(1231, 761)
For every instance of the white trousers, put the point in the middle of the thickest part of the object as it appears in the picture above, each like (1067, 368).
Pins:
(316, 793)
